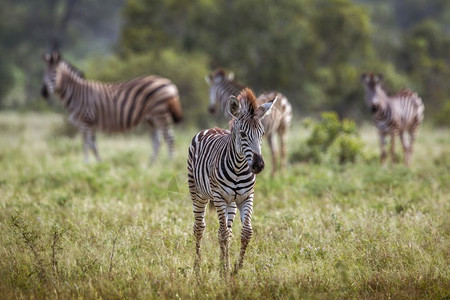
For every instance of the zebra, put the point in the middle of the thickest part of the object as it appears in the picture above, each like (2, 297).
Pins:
(222, 85)
(222, 168)
(397, 114)
(113, 107)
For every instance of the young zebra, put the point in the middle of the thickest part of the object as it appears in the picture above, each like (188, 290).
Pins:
(222, 85)
(393, 115)
(113, 107)
(221, 168)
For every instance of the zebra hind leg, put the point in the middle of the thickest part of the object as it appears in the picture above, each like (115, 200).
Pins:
(156, 140)
(405, 147)
(169, 138)
(412, 135)
(273, 151)
(282, 134)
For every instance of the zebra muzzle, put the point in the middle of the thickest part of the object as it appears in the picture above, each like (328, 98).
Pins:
(44, 92)
(257, 163)
(212, 109)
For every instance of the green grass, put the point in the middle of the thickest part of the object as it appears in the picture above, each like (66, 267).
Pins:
(122, 229)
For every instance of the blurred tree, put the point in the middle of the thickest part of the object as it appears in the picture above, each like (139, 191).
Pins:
(313, 51)
(288, 46)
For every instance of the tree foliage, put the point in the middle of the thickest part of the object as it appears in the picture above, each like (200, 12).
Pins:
(312, 51)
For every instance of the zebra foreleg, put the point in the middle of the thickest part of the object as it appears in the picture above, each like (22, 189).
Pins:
(224, 234)
(246, 211)
(93, 143)
(383, 147)
(85, 146)
(199, 208)
(89, 143)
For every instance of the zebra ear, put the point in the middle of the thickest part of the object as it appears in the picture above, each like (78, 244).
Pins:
(230, 76)
(55, 57)
(234, 106)
(46, 57)
(208, 79)
(364, 77)
(265, 109)
(378, 77)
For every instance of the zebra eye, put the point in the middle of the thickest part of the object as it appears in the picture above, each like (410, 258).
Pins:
(243, 135)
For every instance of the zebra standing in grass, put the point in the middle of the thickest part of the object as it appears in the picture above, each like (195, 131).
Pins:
(222, 85)
(113, 107)
(221, 168)
(393, 115)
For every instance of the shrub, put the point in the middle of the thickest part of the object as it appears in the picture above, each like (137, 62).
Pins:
(346, 148)
(331, 140)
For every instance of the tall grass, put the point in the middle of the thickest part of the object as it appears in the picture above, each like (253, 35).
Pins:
(123, 229)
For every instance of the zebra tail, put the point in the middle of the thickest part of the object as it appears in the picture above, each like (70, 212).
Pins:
(176, 110)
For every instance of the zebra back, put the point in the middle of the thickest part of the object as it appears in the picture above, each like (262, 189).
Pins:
(116, 107)
(281, 115)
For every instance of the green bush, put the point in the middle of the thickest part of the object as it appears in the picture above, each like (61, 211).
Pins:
(346, 148)
(330, 140)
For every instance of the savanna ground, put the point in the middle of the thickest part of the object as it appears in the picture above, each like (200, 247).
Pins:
(122, 229)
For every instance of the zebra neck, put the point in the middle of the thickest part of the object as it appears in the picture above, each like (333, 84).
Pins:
(381, 111)
(378, 101)
(68, 86)
(226, 89)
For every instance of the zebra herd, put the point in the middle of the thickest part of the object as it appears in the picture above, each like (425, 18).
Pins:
(222, 164)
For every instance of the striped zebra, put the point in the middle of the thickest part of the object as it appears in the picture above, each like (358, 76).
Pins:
(397, 114)
(221, 168)
(113, 107)
(222, 85)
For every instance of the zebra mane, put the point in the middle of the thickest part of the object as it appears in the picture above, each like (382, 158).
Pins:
(217, 72)
(248, 104)
(248, 100)
(74, 69)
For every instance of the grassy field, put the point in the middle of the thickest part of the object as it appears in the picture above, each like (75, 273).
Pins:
(122, 229)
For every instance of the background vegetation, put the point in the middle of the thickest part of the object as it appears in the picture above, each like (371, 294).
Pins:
(313, 51)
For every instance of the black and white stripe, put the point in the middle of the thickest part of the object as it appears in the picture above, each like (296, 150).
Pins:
(221, 168)
(223, 85)
(113, 107)
(397, 114)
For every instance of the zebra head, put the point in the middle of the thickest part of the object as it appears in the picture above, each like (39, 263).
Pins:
(216, 79)
(52, 60)
(246, 127)
(372, 83)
